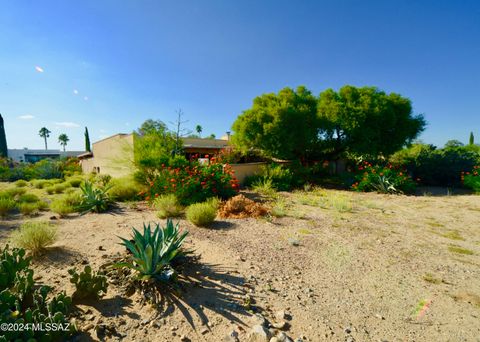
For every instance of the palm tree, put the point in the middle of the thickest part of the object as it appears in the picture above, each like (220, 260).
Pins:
(63, 139)
(199, 130)
(44, 133)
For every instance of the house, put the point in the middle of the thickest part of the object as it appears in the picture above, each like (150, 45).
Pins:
(115, 155)
(32, 156)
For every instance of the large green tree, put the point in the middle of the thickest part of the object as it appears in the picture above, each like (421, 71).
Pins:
(283, 125)
(366, 121)
(45, 134)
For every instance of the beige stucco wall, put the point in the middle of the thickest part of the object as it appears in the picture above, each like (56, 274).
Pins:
(244, 170)
(112, 156)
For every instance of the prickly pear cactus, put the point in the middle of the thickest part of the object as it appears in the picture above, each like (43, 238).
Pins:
(88, 284)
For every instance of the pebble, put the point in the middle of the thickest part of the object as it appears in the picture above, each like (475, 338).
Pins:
(232, 337)
(88, 327)
(294, 242)
(204, 331)
(280, 315)
(260, 333)
(280, 325)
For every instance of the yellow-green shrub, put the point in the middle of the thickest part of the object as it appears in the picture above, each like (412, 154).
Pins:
(167, 206)
(66, 204)
(75, 182)
(21, 183)
(28, 209)
(28, 198)
(202, 214)
(124, 189)
(34, 236)
(7, 205)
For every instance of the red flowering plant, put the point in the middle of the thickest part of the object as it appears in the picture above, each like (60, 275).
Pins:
(471, 179)
(193, 183)
(383, 179)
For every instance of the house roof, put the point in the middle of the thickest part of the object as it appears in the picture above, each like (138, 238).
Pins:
(204, 143)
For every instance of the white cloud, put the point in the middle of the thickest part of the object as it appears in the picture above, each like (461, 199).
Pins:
(39, 69)
(86, 98)
(75, 91)
(26, 117)
(67, 124)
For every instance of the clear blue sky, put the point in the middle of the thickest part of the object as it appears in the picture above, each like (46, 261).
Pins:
(110, 65)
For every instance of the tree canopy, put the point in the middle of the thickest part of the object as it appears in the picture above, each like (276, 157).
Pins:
(297, 125)
(366, 121)
(283, 125)
(63, 139)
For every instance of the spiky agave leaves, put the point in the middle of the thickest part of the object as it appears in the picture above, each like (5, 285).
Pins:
(153, 252)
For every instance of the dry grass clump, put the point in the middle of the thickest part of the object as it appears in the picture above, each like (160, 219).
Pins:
(241, 207)
(34, 236)
(168, 206)
(202, 214)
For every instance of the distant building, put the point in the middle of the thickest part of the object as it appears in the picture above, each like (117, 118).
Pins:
(31, 156)
(115, 155)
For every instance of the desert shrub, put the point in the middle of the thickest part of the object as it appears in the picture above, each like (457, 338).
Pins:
(23, 301)
(42, 205)
(265, 187)
(75, 181)
(48, 169)
(50, 190)
(28, 198)
(152, 253)
(280, 177)
(168, 206)
(103, 180)
(94, 199)
(21, 183)
(34, 236)
(383, 179)
(28, 209)
(471, 179)
(60, 188)
(124, 189)
(67, 204)
(88, 284)
(14, 192)
(241, 207)
(439, 167)
(193, 183)
(202, 214)
(40, 183)
(7, 205)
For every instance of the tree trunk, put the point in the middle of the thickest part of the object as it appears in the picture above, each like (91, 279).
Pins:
(45, 138)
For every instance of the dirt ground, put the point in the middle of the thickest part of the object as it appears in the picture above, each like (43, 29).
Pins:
(341, 266)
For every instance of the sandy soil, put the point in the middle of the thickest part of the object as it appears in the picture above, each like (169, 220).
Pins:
(342, 266)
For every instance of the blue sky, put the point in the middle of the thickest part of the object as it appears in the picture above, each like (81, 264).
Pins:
(110, 65)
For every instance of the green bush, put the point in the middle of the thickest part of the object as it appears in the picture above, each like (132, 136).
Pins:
(40, 183)
(7, 205)
(94, 199)
(383, 179)
(202, 214)
(48, 169)
(21, 183)
(152, 253)
(13, 192)
(124, 189)
(167, 206)
(67, 204)
(193, 183)
(34, 236)
(28, 198)
(88, 284)
(280, 177)
(471, 179)
(59, 188)
(438, 167)
(75, 182)
(50, 190)
(28, 209)
(264, 186)
(23, 301)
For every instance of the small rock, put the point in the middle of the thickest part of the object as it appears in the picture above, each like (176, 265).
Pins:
(184, 338)
(282, 337)
(280, 315)
(350, 339)
(232, 337)
(258, 319)
(100, 248)
(53, 218)
(259, 333)
(279, 325)
(347, 330)
(174, 328)
(204, 331)
(294, 242)
(274, 339)
(379, 316)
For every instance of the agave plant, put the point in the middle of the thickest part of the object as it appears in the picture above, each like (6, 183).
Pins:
(153, 252)
(384, 185)
(94, 199)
